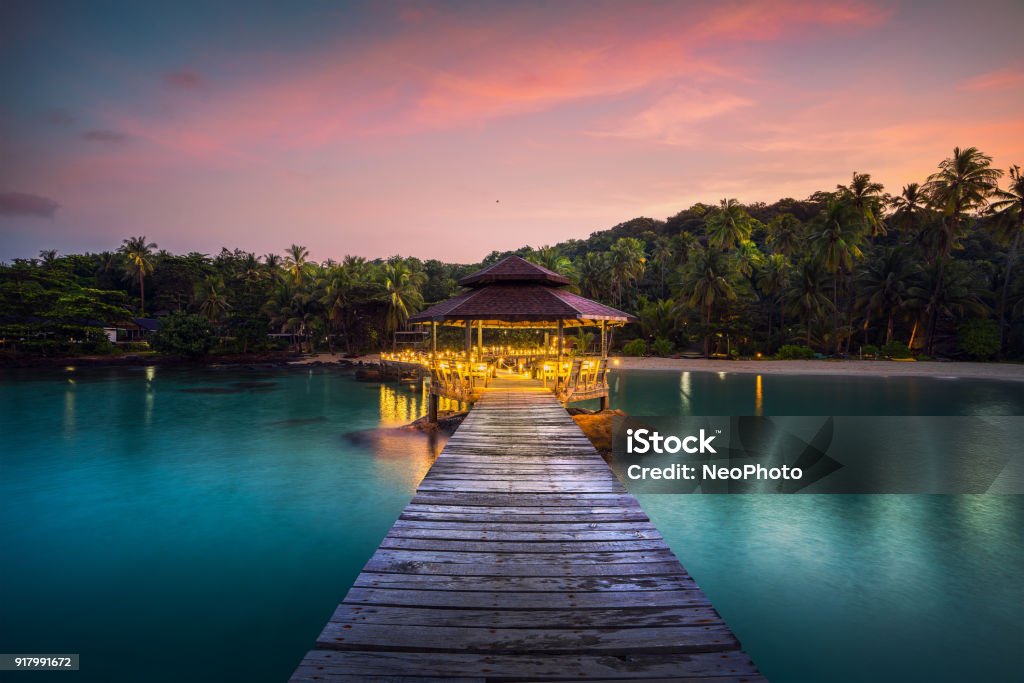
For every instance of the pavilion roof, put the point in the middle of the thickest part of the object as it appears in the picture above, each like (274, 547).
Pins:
(521, 305)
(514, 269)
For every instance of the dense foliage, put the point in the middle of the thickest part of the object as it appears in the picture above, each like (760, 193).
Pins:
(842, 272)
(184, 334)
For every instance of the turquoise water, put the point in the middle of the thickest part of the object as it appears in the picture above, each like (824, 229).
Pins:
(201, 526)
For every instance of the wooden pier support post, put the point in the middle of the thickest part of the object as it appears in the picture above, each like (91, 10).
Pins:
(432, 404)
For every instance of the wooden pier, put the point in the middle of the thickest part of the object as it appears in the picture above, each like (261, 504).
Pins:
(522, 558)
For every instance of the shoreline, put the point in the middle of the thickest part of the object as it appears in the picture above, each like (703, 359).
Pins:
(1012, 372)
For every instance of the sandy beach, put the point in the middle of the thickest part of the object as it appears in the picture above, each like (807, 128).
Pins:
(864, 368)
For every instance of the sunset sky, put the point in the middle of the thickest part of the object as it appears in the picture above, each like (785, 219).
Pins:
(447, 130)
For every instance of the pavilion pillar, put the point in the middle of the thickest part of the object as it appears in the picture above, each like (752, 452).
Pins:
(561, 336)
(605, 404)
(469, 340)
(433, 330)
(480, 338)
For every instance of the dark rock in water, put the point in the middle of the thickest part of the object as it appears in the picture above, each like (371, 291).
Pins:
(580, 411)
(447, 422)
(254, 385)
(235, 388)
(597, 426)
(368, 375)
(210, 390)
(299, 421)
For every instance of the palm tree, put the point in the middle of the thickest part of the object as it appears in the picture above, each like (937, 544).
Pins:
(773, 281)
(728, 225)
(139, 262)
(212, 299)
(909, 209)
(659, 318)
(707, 281)
(663, 258)
(402, 287)
(866, 198)
(552, 259)
(593, 271)
(683, 244)
(1009, 207)
(785, 234)
(806, 295)
(837, 246)
(955, 293)
(334, 291)
(882, 286)
(296, 264)
(628, 261)
(962, 185)
(292, 310)
(48, 257)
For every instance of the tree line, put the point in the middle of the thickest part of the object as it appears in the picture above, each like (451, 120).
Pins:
(853, 270)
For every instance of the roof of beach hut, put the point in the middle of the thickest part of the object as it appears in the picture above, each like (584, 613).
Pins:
(516, 293)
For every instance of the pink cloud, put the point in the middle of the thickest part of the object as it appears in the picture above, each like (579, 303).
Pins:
(676, 118)
(445, 71)
(763, 21)
(1000, 79)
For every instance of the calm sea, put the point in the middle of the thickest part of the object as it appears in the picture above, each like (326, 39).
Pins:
(202, 525)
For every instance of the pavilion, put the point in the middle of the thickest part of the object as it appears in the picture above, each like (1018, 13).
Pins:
(514, 293)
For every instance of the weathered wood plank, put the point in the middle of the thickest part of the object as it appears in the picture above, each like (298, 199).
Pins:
(619, 617)
(538, 534)
(386, 564)
(419, 638)
(535, 546)
(513, 559)
(532, 667)
(358, 595)
(544, 584)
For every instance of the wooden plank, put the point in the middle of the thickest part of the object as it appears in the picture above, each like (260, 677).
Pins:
(386, 564)
(533, 667)
(513, 559)
(533, 546)
(358, 595)
(521, 500)
(554, 526)
(535, 535)
(419, 638)
(619, 617)
(545, 584)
